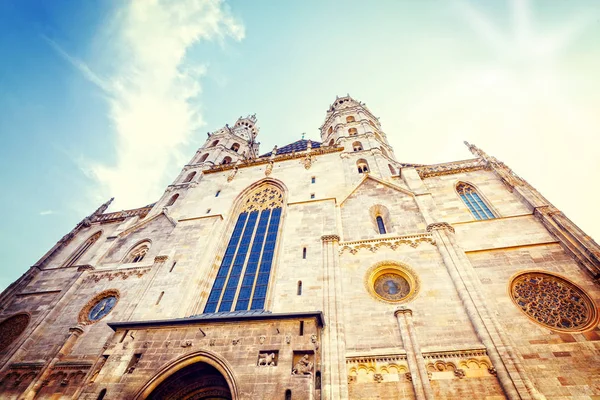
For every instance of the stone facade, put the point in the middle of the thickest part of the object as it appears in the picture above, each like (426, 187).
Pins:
(384, 283)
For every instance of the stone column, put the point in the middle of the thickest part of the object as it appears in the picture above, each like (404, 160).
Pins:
(441, 232)
(65, 349)
(335, 381)
(414, 357)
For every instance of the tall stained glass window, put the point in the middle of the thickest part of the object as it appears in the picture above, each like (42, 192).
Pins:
(474, 202)
(243, 277)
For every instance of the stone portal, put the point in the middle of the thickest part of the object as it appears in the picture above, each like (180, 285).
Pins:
(199, 381)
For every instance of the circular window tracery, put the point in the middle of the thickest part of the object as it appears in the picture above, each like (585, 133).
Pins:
(11, 328)
(99, 307)
(553, 302)
(392, 282)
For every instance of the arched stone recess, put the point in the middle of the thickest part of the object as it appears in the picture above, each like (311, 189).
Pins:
(202, 356)
(372, 195)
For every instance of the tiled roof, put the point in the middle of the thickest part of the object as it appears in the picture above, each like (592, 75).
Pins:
(299, 145)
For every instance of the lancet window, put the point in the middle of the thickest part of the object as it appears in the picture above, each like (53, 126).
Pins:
(474, 202)
(82, 249)
(243, 276)
(190, 177)
(380, 225)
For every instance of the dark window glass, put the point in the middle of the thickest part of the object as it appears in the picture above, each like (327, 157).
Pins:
(380, 225)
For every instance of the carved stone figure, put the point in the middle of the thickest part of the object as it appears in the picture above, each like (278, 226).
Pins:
(303, 367)
(267, 359)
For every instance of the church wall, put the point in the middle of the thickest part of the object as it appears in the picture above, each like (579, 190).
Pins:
(501, 232)
(304, 224)
(359, 222)
(440, 320)
(560, 364)
(236, 345)
(452, 209)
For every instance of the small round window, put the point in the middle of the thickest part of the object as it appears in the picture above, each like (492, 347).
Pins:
(392, 282)
(99, 307)
(553, 302)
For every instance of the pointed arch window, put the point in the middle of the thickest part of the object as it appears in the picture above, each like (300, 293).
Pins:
(243, 276)
(235, 147)
(352, 131)
(331, 142)
(350, 119)
(474, 202)
(82, 249)
(357, 146)
(226, 160)
(189, 177)
(138, 253)
(203, 158)
(362, 166)
(213, 144)
(172, 200)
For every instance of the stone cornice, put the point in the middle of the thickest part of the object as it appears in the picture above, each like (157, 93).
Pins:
(265, 160)
(392, 242)
(455, 167)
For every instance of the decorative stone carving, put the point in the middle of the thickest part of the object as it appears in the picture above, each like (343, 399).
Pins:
(378, 378)
(269, 168)
(459, 373)
(160, 259)
(288, 339)
(123, 274)
(187, 343)
(427, 171)
(330, 238)
(267, 359)
(553, 302)
(351, 378)
(408, 376)
(235, 342)
(87, 267)
(211, 342)
(440, 226)
(393, 243)
(262, 339)
(303, 367)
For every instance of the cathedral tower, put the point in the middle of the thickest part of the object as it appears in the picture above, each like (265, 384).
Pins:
(349, 123)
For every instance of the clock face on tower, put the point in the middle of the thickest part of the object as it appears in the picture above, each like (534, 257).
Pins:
(102, 308)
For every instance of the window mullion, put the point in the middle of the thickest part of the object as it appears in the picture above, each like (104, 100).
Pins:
(262, 252)
(245, 264)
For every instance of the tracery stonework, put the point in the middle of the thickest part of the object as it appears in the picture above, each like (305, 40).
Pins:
(262, 198)
(553, 301)
(392, 286)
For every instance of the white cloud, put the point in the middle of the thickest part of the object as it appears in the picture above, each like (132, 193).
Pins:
(47, 212)
(150, 90)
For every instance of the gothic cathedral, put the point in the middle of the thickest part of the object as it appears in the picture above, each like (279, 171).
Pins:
(318, 270)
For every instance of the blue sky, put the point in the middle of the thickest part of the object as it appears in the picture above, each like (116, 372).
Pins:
(111, 98)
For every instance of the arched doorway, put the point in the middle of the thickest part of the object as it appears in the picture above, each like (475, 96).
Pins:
(199, 381)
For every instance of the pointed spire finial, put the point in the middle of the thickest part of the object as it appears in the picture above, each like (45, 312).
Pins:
(303, 133)
(103, 207)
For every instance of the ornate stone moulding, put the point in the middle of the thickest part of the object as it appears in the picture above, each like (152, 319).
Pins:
(392, 242)
(122, 273)
(392, 282)
(553, 301)
(428, 171)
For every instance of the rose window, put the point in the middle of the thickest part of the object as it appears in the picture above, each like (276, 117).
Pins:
(553, 301)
